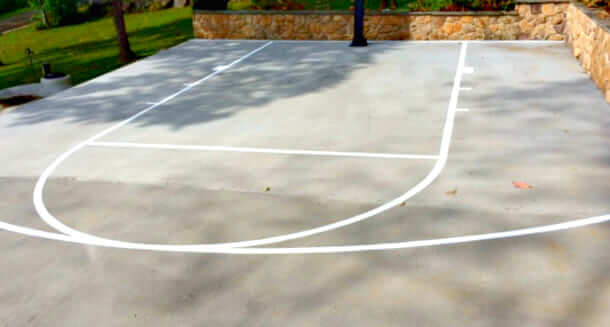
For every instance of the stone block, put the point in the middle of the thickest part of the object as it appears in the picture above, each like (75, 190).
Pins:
(466, 20)
(437, 21)
(452, 28)
(548, 9)
(557, 37)
(526, 27)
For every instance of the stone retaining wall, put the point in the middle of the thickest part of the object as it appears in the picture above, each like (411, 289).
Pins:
(531, 19)
(589, 38)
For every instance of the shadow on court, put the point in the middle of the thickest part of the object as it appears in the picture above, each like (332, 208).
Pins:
(278, 73)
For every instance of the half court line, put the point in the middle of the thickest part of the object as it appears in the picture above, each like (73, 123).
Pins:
(220, 148)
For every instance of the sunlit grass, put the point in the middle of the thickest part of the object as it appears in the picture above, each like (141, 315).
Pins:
(90, 49)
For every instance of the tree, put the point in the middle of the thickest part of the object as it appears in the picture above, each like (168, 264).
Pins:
(40, 5)
(126, 54)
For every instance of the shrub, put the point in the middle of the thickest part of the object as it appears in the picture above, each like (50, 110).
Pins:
(240, 4)
(57, 12)
(211, 4)
(62, 12)
(604, 4)
(278, 5)
(10, 5)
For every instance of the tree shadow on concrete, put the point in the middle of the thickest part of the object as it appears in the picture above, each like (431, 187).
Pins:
(281, 71)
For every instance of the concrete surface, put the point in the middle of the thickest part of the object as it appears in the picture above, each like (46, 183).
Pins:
(532, 116)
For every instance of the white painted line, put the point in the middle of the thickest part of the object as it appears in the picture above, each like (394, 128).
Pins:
(468, 70)
(153, 103)
(83, 238)
(39, 205)
(440, 163)
(318, 249)
(466, 88)
(260, 150)
(220, 68)
(463, 110)
(434, 173)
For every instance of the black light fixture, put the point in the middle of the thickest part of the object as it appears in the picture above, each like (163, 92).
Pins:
(359, 39)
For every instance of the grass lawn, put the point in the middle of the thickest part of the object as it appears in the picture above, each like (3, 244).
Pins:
(90, 49)
(15, 13)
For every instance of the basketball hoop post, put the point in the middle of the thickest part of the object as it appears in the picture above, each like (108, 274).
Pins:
(359, 39)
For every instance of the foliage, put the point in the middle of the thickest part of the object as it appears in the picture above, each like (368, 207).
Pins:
(428, 5)
(240, 4)
(90, 49)
(278, 5)
(62, 12)
(211, 4)
(11, 5)
(15, 12)
(57, 12)
(604, 4)
(403, 5)
(485, 4)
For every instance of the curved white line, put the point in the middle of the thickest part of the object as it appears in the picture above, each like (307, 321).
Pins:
(434, 173)
(317, 249)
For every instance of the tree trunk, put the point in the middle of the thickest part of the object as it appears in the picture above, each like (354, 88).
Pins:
(45, 19)
(126, 54)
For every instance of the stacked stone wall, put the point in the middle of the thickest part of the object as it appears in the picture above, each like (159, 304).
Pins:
(535, 21)
(589, 37)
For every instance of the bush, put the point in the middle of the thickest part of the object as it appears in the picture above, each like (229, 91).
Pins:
(604, 4)
(240, 4)
(58, 12)
(10, 5)
(62, 12)
(211, 4)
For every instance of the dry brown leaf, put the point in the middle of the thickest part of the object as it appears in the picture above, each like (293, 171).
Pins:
(522, 185)
(452, 192)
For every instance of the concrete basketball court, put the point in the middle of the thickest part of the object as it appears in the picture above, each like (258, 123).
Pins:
(258, 183)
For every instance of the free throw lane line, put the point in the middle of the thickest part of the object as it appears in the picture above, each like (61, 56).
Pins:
(38, 198)
(260, 150)
(434, 173)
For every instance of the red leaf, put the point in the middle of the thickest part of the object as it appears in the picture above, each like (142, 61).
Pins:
(522, 185)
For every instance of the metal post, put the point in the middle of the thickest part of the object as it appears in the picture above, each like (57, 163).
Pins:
(359, 39)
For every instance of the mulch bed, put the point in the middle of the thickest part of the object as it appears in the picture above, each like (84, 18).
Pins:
(14, 22)
(17, 100)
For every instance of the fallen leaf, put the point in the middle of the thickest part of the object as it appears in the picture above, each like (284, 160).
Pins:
(268, 189)
(522, 185)
(403, 204)
(452, 192)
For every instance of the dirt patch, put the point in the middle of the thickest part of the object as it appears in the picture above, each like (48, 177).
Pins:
(14, 22)
(17, 100)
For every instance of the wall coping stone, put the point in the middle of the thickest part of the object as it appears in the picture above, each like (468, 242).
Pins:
(603, 23)
(350, 13)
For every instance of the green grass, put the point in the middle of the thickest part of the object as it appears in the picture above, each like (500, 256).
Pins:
(15, 12)
(90, 49)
